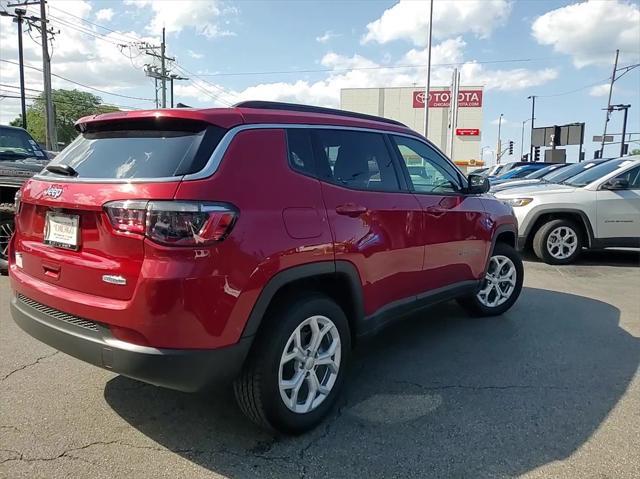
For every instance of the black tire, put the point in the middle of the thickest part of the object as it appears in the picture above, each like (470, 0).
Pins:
(542, 235)
(256, 389)
(6, 229)
(472, 303)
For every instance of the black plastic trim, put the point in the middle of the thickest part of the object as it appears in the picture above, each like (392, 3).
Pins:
(499, 230)
(618, 242)
(585, 222)
(401, 308)
(275, 105)
(296, 273)
(186, 370)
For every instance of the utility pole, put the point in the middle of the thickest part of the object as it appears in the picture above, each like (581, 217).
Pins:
(163, 71)
(160, 73)
(624, 123)
(426, 92)
(50, 119)
(18, 17)
(608, 112)
(533, 112)
(172, 77)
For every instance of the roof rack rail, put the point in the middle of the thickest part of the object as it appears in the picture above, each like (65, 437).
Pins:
(276, 105)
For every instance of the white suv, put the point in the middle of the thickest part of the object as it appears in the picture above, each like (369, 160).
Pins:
(598, 208)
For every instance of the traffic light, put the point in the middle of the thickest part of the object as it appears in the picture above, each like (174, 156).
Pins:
(536, 153)
(510, 147)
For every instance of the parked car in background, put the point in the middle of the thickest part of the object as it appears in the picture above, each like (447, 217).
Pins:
(256, 243)
(20, 158)
(517, 172)
(556, 176)
(531, 174)
(597, 208)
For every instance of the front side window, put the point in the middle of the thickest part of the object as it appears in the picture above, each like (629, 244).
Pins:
(355, 159)
(428, 171)
(632, 176)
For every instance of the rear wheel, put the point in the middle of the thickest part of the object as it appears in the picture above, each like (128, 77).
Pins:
(501, 285)
(558, 242)
(296, 368)
(6, 231)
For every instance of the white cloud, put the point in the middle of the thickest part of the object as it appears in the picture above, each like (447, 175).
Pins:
(205, 17)
(600, 90)
(409, 20)
(104, 15)
(195, 55)
(328, 35)
(591, 31)
(95, 62)
(363, 72)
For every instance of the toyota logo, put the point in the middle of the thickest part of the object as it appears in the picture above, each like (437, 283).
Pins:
(53, 192)
(420, 97)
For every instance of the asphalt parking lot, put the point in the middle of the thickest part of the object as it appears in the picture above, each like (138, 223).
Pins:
(552, 389)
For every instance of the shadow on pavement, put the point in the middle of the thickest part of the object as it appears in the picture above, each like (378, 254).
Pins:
(605, 257)
(437, 395)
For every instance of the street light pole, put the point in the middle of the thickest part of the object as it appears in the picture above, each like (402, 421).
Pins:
(533, 112)
(499, 149)
(608, 112)
(426, 93)
(522, 139)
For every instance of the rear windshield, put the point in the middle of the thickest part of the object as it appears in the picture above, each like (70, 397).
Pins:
(595, 173)
(570, 171)
(139, 152)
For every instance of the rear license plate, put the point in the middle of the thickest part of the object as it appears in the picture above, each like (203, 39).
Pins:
(62, 230)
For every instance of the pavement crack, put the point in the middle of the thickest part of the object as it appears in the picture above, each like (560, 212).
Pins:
(440, 387)
(34, 363)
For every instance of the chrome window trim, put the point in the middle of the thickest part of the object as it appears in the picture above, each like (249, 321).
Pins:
(216, 157)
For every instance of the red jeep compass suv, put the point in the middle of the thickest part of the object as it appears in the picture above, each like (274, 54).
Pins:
(256, 243)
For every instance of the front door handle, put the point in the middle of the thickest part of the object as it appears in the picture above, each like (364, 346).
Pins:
(435, 211)
(350, 209)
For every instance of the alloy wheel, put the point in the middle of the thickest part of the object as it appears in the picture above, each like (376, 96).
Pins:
(562, 242)
(309, 364)
(6, 231)
(499, 282)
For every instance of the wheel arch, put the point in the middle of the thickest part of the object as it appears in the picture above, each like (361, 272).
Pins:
(579, 217)
(339, 280)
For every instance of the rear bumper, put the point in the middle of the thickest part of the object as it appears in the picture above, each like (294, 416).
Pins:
(180, 369)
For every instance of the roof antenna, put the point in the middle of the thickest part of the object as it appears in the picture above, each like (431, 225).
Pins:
(182, 105)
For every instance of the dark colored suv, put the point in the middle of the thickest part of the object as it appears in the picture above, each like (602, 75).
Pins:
(257, 243)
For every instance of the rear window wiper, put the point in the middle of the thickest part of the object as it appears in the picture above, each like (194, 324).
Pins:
(64, 170)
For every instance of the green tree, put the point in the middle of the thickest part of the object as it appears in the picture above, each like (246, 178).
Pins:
(635, 151)
(69, 106)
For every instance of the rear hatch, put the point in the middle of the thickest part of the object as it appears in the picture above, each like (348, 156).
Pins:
(80, 223)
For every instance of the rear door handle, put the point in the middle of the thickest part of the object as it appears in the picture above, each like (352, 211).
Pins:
(350, 209)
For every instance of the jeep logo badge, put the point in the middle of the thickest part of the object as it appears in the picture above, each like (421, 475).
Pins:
(53, 192)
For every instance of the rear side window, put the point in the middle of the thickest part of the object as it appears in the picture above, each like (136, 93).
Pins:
(355, 159)
(143, 151)
(300, 151)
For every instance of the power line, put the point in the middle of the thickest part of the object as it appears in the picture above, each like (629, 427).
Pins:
(203, 89)
(389, 67)
(130, 38)
(17, 87)
(78, 28)
(573, 91)
(82, 84)
(11, 94)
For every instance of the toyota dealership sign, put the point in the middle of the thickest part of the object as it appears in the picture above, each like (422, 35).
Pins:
(442, 99)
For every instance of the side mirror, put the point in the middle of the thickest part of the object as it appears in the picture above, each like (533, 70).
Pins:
(478, 185)
(616, 184)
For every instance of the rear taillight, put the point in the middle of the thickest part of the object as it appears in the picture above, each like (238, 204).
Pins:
(178, 223)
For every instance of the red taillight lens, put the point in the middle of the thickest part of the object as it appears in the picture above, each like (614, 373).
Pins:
(128, 216)
(179, 223)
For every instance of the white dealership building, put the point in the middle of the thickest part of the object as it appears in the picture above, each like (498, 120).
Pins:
(406, 104)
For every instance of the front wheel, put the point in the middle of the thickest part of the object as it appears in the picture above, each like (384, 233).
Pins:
(558, 242)
(501, 285)
(297, 366)
(6, 231)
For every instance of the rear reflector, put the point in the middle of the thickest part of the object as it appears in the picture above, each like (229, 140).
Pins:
(176, 223)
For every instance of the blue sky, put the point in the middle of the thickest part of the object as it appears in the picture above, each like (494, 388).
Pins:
(516, 49)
